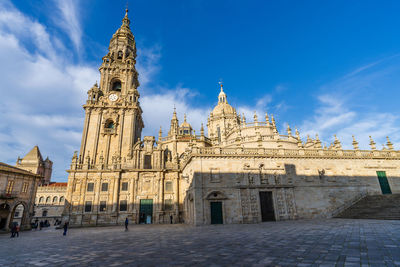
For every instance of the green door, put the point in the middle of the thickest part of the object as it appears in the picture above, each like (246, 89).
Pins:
(216, 212)
(146, 211)
(383, 181)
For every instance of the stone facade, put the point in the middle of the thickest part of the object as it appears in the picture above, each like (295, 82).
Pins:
(33, 162)
(49, 202)
(242, 172)
(17, 196)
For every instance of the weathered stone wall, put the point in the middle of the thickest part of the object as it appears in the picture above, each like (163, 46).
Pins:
(302, 187)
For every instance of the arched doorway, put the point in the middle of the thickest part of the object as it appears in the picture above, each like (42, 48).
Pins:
(18, 214)
(4, 212)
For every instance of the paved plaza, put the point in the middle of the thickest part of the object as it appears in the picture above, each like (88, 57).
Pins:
(334, 242)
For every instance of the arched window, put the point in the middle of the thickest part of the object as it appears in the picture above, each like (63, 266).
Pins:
(48, 200)
(41, 199)
(120, 54)
(110, 125)
(116, 86)
(44, 213)
(61, 199)
(55, 199)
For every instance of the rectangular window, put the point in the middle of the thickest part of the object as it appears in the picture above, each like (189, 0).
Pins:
(90, 187)
(168, 204)
(25, 188)
(123, 205)
(88, 206)
(104, 187)
(147, 161)
(124, 186)
(168, 187)
(215, 176)
(103, 205)
(10, 186)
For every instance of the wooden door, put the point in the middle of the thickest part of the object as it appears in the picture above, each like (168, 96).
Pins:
(383, 182)
(267, 206)
(216, 212)
(146, 211)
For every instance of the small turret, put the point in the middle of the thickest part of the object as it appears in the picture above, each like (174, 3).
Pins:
(355, 143)
(173, 130)
(372, 143)
(289, 131)
(317, 142)
(336, 143)
(389, 144)
(160, 135)
(267, 119)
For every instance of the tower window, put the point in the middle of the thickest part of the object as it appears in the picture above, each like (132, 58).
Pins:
(116, 86)
(88, 206)
(90, 187)
(110, 125)
(104, 187)
(147, 161)
(103, 205)
(168, 187)
(119, 54)
(124, 186)
(123, 205)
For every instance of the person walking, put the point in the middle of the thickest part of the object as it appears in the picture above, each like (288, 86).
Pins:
(17, 229)
(65, 228)
(13, 229)
(126, 224)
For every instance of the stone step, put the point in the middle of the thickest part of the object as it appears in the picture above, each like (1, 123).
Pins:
(383, 207)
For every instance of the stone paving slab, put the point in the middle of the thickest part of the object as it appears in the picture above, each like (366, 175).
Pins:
(333, 242)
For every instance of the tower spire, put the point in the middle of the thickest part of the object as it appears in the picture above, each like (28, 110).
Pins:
(125, 20)
(222, 95)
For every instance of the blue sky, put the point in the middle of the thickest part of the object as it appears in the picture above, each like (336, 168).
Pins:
(325, 67)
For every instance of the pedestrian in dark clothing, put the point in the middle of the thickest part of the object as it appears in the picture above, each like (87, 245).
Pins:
(65, 228)
(17, 230)
(13, 229)
(126, 224)
(170, 217)
(40, 225)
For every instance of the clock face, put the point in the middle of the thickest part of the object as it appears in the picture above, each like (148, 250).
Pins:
(113, 97)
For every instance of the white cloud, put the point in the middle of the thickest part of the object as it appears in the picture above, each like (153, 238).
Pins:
(341, 111)
(42, 92)
(68, 20)
(261, 107)
(158, 102)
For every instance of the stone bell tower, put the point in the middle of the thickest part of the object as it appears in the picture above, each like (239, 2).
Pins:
(113, 117)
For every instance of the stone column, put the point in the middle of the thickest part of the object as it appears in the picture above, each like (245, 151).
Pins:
(116, 192)
(131, 194)
(85, 132)
(98, 129)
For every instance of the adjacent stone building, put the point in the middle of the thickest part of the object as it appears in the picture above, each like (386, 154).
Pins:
(33, 162)
(241, 172)
(17, 196)
(49, 202)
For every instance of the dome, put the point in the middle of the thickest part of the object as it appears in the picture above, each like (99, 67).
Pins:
(185, 124)
(223, 108)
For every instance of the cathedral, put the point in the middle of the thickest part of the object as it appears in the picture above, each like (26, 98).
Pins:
(238, 171)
